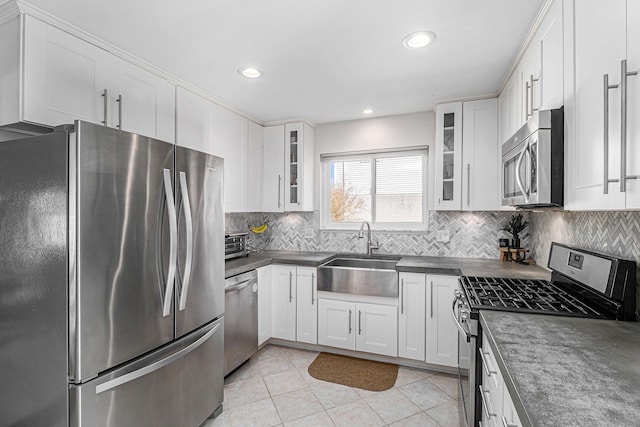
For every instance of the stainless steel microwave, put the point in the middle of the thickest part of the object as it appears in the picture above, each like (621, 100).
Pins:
(533, 162)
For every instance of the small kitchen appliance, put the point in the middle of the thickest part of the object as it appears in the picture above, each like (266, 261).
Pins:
(583, 284)
(235, 244)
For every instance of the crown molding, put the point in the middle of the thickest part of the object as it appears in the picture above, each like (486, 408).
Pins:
(477, 97)
(284, 122)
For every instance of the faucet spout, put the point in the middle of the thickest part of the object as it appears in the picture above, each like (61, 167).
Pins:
(370, 246)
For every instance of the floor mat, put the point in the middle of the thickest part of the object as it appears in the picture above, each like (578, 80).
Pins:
(353, 372)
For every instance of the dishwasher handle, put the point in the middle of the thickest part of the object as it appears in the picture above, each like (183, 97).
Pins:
(240, 286)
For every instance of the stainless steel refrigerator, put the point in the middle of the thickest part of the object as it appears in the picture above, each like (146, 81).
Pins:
(111, 280)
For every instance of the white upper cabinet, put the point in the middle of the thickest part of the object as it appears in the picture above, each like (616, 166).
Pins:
(508, 111)
(598, 37)
(273, 169)
(205, 126)
(480, 156)
(255, 156)
(448, 156)
(529, 82)
(65, 78)
(298, 179)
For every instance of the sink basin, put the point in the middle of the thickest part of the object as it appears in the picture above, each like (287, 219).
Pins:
(360, 276)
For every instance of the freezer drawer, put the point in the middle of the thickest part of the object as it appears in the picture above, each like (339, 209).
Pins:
(179, 385)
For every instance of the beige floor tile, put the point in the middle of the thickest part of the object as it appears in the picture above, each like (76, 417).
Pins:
(244, 392)
(308, 378)
(321, 419)
(367, 393)
(274, 365)
(409, 375)
(424, 394)
(355, 414)
(418, 420)
(301, 359)
(284, 382)
(446, 415)
(257, 414)
(331, 395)
(221, 420)
(297, 404)
(448, 383)
(271, 351)
(247, 371)
(391, 405)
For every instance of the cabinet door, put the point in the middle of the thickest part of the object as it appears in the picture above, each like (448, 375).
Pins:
(377, 329)
(306, 306)
(142, 102)
(551, 56)
(64, 77)
(283, 302)
(633, 105)
(480, 159)
(529, 82)
(273, 178)
(229, 135)
(492, 384)
(448, 156)
(193, 122)
(264, 304)
(442, 334)
(598, 38)
(294, 159)
(411, 323)
(336, 324)
(506, 117)
(509, 411)
(255, 157)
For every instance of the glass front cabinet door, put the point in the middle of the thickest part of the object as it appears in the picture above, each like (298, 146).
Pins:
(298, 167)
(448, 156)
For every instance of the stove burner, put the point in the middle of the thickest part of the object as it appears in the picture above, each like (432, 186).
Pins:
(523, 295)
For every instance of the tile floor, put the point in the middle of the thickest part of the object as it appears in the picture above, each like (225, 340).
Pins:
(275, 389)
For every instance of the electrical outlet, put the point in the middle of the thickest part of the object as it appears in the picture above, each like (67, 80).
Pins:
(442, 236)
(308, 233)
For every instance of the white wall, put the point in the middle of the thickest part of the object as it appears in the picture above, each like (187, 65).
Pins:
(406, 130)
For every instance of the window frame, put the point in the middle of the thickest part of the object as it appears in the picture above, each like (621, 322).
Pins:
(372, 155)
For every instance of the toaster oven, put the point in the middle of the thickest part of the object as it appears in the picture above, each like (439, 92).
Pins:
(235, 245)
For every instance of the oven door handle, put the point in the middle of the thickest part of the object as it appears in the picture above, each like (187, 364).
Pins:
(467, 334)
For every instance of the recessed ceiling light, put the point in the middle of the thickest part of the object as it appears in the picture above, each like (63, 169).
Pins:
(250, 72)
(367, 111)
(418, 39)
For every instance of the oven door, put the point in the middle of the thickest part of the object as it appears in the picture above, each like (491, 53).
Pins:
(466, 360)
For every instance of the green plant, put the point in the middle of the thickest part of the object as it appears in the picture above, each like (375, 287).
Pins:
(515, 225)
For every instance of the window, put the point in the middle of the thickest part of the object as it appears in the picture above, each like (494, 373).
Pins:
(386, 189)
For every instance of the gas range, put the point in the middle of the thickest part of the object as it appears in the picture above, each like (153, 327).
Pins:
(583, 284)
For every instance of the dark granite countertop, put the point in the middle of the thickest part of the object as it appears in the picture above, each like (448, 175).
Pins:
(567, 371)
(412, 264)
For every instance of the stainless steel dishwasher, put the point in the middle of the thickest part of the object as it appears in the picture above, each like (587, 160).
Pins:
(240, 319)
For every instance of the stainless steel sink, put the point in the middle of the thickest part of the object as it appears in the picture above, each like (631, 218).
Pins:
(361, 276)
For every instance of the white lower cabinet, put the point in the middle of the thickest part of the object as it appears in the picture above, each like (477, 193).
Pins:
(441, 331)
(411, 317)
(498, 409)
(306, 305)
(264, 304)
(283, 302)
(372, 328)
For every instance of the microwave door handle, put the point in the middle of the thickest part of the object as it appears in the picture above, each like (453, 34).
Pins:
(518, 180)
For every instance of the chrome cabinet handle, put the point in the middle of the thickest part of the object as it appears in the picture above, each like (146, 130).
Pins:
(468, 184)
(173, 244)
(401, 296)
(186, 206)
(485, 363)
(359, 322)
(485, 404)
(131, 376)
(532, 80)
(526, 100)
(279, 185)
(119, 112)
(505, 423)
(313, 279)
(623, 125)
(525, 194)
(290, 286)
(606, 181)
(105, 104)
(349, 322)
(431, 298)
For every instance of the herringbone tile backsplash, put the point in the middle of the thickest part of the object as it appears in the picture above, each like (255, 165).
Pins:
(471, 234)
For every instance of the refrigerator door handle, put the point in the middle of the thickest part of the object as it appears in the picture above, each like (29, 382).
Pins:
(173, 244)
(131, 376)
(186, 205)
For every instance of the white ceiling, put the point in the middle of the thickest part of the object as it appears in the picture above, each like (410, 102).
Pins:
(323, 60)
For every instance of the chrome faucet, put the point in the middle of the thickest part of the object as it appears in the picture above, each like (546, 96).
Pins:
(370, 246)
